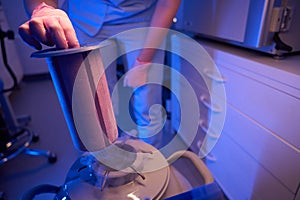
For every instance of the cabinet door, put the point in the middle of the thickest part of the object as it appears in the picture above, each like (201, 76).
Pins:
(194, 91)
(185, 109)
(241, 176)
(185, 106)
(270, 107)
(272, 153)
(225, 19)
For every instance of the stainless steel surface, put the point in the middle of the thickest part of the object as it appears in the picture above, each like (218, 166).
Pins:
(252, 24)
(37, 97)
(89, 180)
(216, 18)
(80, 81)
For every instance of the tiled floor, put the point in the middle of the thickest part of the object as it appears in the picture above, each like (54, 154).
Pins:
(38, 99)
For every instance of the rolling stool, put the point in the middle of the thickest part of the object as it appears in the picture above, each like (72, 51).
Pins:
(15, 138)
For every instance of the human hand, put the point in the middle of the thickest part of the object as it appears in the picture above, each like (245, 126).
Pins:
(48, 26)
(137, 76)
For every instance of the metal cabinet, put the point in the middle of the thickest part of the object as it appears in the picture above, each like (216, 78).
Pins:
(257, 155)
(198, 95)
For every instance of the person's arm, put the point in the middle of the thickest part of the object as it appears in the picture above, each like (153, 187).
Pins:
(47, 25)
(162, 18)
(30, 5)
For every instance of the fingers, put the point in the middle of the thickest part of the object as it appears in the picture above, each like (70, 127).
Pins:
(26, 35)
(61, 32)
(69, 33)
(39, 32)
(49, 30)
(56, 33)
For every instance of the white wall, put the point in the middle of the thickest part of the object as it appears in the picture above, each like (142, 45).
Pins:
(12, 56)
(16, 15)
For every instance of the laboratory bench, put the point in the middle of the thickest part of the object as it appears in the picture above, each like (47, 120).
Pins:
(257, 153)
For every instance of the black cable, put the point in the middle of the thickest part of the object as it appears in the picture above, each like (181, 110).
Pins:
(10, 35)
(280, 45)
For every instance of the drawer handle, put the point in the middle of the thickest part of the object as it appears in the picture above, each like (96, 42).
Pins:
(213, 108)
(208, 156)
(209, 133)
(214, 77)
(211, 158)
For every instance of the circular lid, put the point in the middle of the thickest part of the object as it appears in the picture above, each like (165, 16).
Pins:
(151, 185)
(53, 52)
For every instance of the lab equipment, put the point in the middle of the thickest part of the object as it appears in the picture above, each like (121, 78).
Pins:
(89, 179)
(80, 82)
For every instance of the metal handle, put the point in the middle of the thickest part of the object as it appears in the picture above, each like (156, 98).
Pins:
(211, 158)
(199, 164)
(214, 76)
(206, 103)
(208, 157)
(208, 132)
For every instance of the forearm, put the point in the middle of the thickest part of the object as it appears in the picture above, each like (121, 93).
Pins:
(30, 5)
(164, 13)
(162, 18)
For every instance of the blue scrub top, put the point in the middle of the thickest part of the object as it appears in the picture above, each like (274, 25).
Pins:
(90, 15)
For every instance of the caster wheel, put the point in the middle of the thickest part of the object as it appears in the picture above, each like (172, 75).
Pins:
(35, 138)
(52, 158)
(2, 196)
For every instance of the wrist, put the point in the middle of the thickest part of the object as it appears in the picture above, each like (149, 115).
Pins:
(41, 7)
